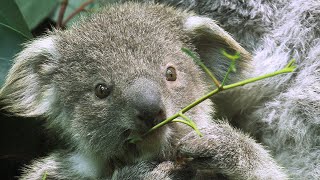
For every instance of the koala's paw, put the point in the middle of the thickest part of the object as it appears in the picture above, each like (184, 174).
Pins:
(226, 151)
(206, 152)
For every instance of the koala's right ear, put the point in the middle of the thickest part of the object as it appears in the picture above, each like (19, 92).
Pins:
(209, 40)
(28, 90)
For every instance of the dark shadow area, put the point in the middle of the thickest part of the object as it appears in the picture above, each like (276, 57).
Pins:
(21, 140)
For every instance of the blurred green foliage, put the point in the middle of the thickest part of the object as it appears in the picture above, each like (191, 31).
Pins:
(19, 17)
(13, 32)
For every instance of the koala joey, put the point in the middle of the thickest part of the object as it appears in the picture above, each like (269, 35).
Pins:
(116, 74)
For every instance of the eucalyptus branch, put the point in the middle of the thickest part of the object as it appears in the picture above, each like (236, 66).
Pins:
(290, 67)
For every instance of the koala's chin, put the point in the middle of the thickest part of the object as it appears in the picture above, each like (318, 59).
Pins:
(154, 145)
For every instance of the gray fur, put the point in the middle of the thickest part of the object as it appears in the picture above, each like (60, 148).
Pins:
(283, 112)
(128, 47)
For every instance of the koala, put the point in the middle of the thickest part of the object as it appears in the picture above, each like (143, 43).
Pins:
(113, 76)
(282, 113)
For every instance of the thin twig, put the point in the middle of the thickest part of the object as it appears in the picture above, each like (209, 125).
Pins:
(232, 67)
(75, 12)
(290, 67)
(199, 62)
(63, 8)
(193, 125)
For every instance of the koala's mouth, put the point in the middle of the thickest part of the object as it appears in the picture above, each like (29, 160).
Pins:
(145, 123)
(142, 124)
(139, 145)
(143, 131)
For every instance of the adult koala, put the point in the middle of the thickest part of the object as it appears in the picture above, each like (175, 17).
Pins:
(115, 75)
(283, 113)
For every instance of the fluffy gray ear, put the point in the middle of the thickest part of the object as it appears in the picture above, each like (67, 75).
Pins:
(28, 90)
(209, 40)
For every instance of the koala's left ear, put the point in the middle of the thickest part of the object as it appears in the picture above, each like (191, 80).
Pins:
(28, 90)
(209, 40)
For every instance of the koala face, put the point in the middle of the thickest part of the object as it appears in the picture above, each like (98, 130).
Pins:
(117, 74)
(119, 83)
(119, 80)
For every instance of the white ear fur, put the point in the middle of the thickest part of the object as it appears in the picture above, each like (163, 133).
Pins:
(209, 39)
(27, 90)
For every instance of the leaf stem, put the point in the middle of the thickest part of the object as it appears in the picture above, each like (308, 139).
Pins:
(226, 77)
(251, 80)
(204, 67)
(192, 124)
(232, 67)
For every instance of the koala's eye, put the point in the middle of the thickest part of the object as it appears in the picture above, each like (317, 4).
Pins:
(171, 74)
(102, 91)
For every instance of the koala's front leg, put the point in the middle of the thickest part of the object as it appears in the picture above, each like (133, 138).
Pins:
(230, 152)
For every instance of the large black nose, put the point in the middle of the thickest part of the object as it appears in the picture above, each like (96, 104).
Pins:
(145, 98)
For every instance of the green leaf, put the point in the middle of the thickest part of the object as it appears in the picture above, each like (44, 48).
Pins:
(35, 11)
(13, 32)
(11, 17)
